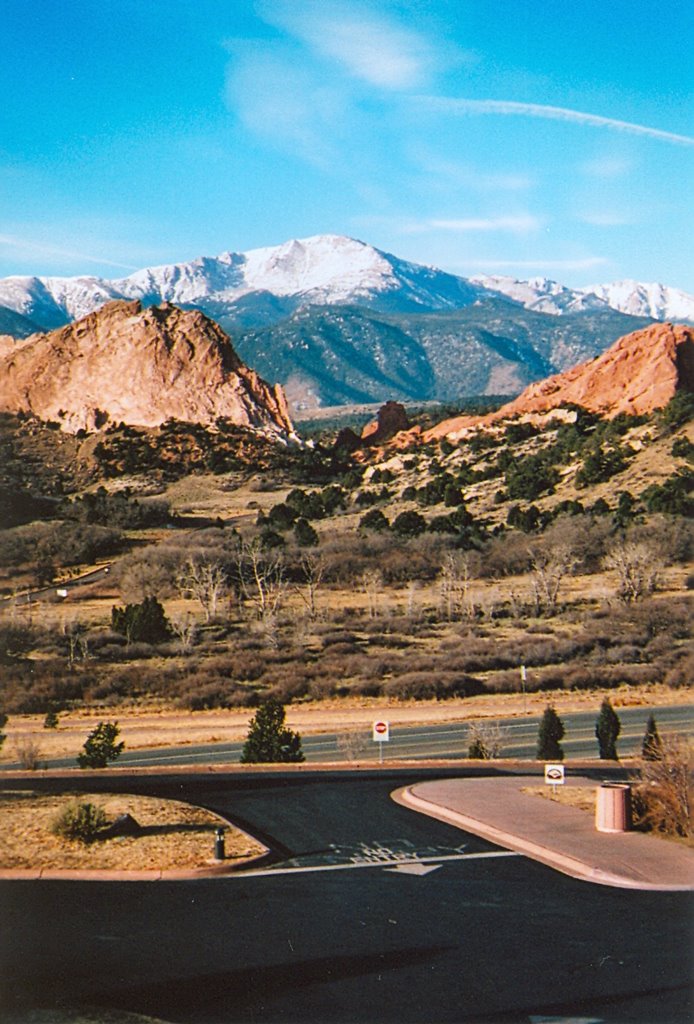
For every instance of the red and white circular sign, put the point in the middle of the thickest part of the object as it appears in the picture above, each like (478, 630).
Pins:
(381, 731)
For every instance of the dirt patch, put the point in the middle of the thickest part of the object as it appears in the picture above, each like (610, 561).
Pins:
(582, 797)
(173, 835)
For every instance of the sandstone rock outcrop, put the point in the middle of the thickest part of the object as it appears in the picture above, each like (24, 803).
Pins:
(640, 373)
(141, 367)
(390, 420)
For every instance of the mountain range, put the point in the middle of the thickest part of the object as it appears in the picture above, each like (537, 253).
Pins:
(336, 321)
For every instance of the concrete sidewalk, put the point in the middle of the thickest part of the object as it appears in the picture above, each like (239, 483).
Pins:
(560, 836)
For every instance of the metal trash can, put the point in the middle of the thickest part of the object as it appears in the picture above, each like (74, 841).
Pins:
(613, 807)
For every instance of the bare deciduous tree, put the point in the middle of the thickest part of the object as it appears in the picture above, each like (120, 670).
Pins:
(548, 569)
(205, 582)
(454, 585)
(637, 564)
(142, 575)
(184, 627)
(313, 570)
(486, 740)
(261, 579)
(372, 586)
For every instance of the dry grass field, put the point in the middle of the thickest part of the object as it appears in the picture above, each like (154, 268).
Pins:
(173, 836)
(431, 621)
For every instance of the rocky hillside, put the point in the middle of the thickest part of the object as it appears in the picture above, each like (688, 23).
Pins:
(638, 374)
(126, 364)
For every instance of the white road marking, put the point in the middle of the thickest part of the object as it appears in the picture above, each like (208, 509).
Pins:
(414, 869)
(314, 868)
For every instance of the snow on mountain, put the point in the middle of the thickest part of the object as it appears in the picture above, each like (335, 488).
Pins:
(322, 270)
(541, 294)
(658, 301)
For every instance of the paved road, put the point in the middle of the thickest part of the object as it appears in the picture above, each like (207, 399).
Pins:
(431, 741)
(375, 914)
(54, 589)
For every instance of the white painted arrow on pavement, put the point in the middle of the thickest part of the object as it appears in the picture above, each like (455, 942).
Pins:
(414, 869)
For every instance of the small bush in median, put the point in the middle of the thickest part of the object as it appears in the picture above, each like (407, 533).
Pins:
(81, 822)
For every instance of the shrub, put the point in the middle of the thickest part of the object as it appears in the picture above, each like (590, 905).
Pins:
(145, 622)
(664, 797)
(268, 740)
(28, 754)
(374, 520)
(652, 746)
(409, 524)
(530, 477)
(304, 534)
(51, 719)
(81, 822)
(100, 747)
(550, 734)
(486, 740)
(600, 464)
(607, 729)
(678, 411)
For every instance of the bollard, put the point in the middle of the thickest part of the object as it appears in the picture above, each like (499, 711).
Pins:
(219, 844)
(613, 807)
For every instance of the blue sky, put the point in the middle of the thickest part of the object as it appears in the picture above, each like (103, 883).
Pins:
(504, 137)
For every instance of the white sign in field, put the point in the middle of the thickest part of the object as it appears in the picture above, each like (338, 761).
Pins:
(554, 774)
(381, 731)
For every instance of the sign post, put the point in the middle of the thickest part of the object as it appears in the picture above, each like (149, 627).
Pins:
(381, 735)
(554, 776)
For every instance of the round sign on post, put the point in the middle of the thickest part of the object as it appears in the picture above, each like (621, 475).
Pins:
(381, 731)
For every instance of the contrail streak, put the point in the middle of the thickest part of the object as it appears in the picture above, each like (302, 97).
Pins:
(513, 109)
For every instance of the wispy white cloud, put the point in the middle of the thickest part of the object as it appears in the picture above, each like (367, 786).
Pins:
(450, 172)
(510, 108)
(577, 264)
(607, 167)
(278, 98)
(367, 45)
(14, 246)
(517, 224)
(605, 218)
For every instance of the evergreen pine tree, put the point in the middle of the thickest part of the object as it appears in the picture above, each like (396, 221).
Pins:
(607, 729)
(550, 733)
(100, 747)
(652, 746)
(268, 740)
(145, 622)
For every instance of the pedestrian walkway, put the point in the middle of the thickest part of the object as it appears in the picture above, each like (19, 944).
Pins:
(558, 835)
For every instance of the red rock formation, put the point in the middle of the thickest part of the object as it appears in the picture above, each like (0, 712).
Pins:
(138, 366)
(639, 373)
(390, 420)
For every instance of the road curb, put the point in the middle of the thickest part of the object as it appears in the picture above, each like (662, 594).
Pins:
(565, 863)
(221, 870)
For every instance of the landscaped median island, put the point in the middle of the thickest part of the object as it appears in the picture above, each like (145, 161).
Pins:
(171, 836)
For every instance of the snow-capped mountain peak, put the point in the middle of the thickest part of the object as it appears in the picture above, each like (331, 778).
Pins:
(329, 269)
(541, 294)
(658, 301)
